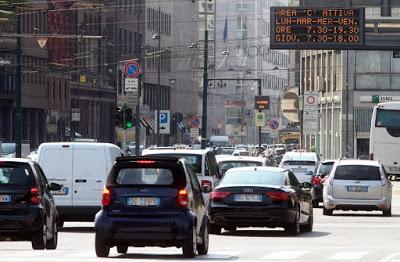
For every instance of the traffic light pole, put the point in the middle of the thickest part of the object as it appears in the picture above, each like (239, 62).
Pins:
(124, 126)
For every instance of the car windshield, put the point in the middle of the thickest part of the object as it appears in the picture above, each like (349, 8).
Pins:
(325, 168)
(15, 175)
(357, 172)
(299, 163)
(8, 148)
(231, 164)
(145, 176)
(192, 159)
(252, 177)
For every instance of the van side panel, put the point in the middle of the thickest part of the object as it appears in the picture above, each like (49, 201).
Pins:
(56, 162)
(89, 175)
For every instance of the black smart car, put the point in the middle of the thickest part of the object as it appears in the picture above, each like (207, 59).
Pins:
(152, 201)
(261, 197)
(27, 209)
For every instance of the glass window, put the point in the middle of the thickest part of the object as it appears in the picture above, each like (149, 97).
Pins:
(388, 118)
(16, 175)
(232, 164)
(357, 172)
(145, 176)
(233, 177)
(293, 180)
(325, 168)
(299, 163)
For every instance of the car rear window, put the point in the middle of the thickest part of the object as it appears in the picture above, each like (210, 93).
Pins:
(232, 164)
(299, 163)
(16, 174)
(357, 172)
(145, 176)
(252, 177)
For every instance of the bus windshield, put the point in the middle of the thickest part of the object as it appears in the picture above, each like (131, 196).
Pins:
(387, 118)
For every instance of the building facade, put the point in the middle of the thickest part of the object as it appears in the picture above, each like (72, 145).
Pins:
(242, 51)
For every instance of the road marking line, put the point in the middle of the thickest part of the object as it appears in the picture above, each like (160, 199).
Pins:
(391, 257)
(285, 255)
(348, 255)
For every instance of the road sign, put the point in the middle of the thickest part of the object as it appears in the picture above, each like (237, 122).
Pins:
(75, 114)
(260, 119)
(310, 113)
(164, 120)
(273, 124)
(194, 132)
(132, 69)
(132, 99)
(195, 122)
(261, 102)
(310, 99)
(131, 84)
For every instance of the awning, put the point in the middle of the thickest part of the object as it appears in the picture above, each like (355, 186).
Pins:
(148, 122)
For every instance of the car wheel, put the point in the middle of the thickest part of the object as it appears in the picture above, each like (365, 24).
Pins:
(315, 203)
(327, 212)
(189, 245)
(203, 247)
(39, 238)
(293, 229)
(52, 243)
(122, 249)
(101, 246)
(309, 226)
(388, 212)
(215, 229)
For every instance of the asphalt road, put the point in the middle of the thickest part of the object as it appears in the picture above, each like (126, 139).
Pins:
(345, 236)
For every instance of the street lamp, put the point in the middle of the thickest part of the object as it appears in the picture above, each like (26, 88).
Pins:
(158, 93)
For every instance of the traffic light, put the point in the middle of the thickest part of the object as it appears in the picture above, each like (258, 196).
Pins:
(128, 118)
(119, 117)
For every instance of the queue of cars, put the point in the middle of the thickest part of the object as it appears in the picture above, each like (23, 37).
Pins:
(176, 196)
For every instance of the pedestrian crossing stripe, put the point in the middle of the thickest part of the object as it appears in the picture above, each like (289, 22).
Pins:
(345, 255)
(285, 255)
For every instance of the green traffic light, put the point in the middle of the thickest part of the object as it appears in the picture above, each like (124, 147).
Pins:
(129, 124)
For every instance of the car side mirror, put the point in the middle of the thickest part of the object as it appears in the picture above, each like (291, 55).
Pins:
(206, 189)
(305, 185)
(54, 187)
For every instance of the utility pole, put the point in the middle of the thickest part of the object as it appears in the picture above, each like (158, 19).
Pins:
(158, 96)
(205, 83)
(18, 91)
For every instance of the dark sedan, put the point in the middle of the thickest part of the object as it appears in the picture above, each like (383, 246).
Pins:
(261, 197)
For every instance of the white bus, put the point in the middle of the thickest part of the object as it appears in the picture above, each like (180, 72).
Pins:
(384, 142)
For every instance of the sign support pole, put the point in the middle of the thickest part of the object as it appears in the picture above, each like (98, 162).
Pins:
(259, 110)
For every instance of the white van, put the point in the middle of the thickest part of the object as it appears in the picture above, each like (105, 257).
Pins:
(81, 168)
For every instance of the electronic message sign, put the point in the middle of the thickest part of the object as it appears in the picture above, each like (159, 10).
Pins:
(317, 28)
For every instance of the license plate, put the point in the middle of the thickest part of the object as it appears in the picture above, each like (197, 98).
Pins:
(5, 198)
(143, 201)
(394, 168)
(248, 198)
(357, 188)
(299, 170)
(62, 192)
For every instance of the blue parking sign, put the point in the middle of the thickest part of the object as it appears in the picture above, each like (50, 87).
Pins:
(163, 118)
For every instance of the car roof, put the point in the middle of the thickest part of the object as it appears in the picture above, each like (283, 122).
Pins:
(358, 162)
(328, 161)
(222, 158)
(176, 151)
(259, 168)
(300, 156)
(15, 160)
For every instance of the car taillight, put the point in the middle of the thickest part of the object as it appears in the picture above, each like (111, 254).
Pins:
(145, 162)
(316, 180)
(206, 183)
(35, 196)
(371, 156)
(219, 195)
(106, 197)
(278, 195)
(183, 199)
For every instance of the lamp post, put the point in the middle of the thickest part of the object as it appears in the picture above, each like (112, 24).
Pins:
(158, 93)
(18, 90)
(205, 82)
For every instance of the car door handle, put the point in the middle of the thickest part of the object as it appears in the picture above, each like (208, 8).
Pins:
(80, 180)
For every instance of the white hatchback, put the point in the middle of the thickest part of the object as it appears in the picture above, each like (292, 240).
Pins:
(357, 185)
(302, 164)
